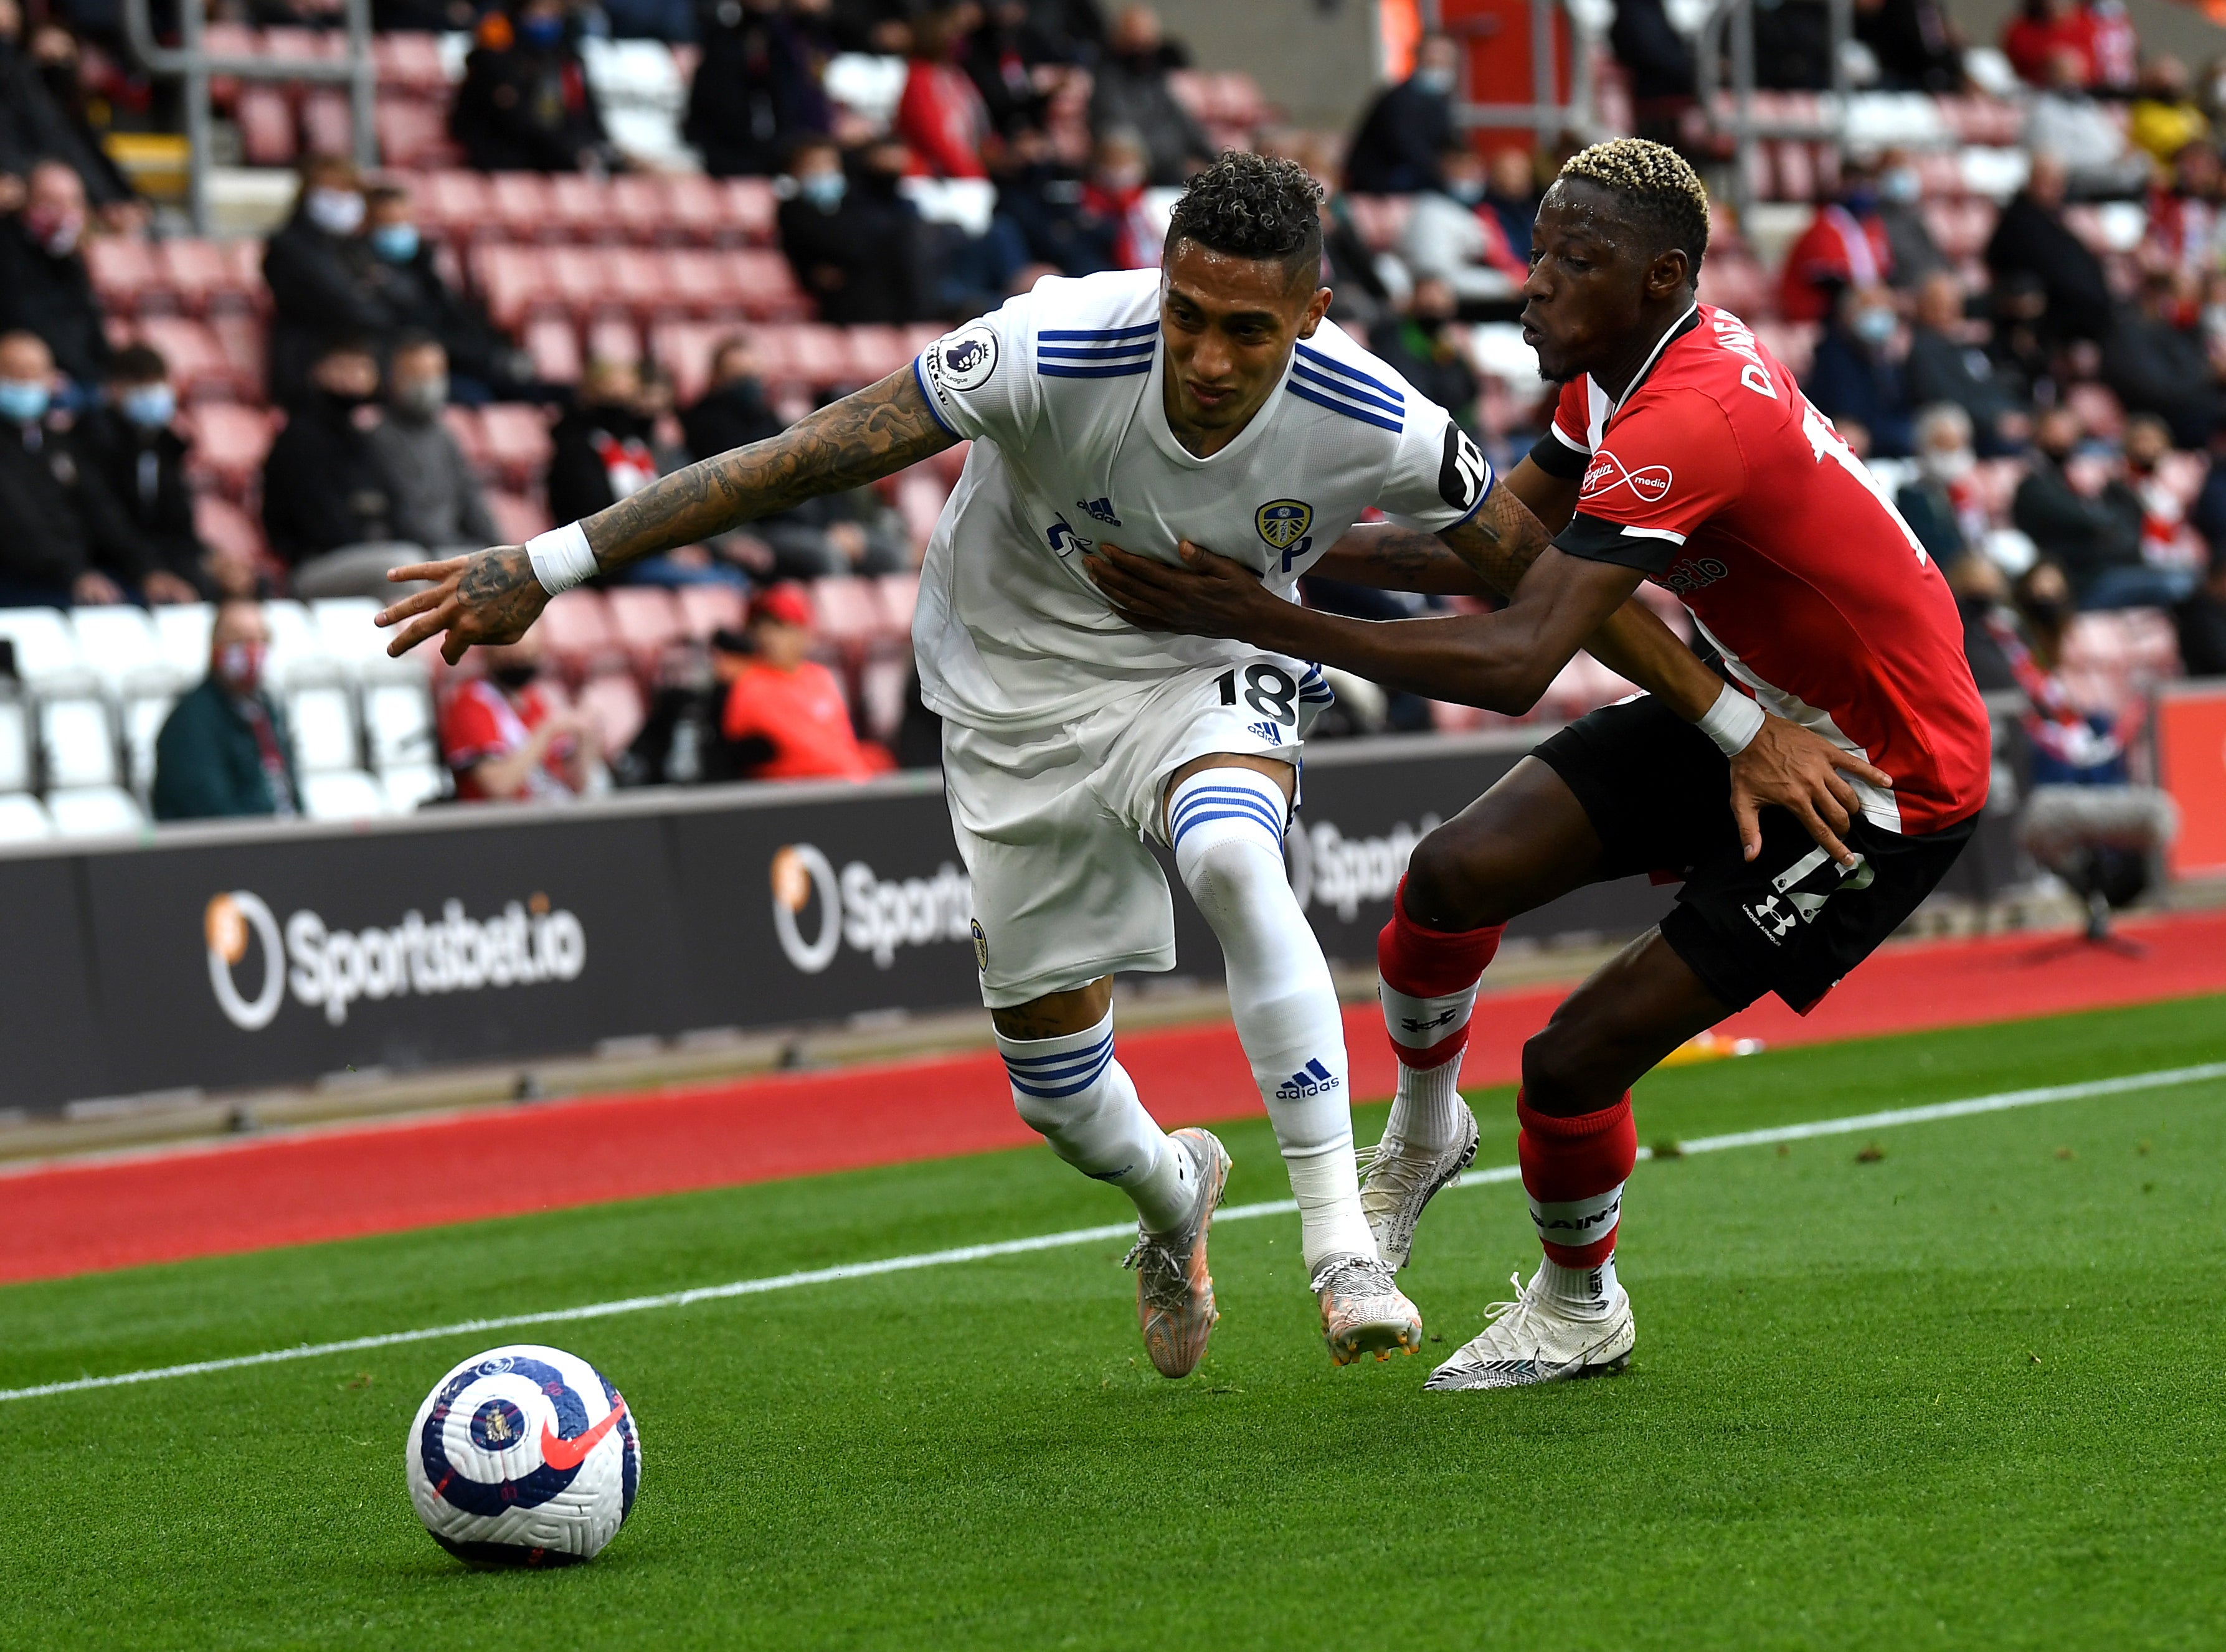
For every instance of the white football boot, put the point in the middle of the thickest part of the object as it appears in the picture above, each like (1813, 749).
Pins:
(1398, 1181)
(1364, 1311)
(1174, 1292)
(1531, 1341)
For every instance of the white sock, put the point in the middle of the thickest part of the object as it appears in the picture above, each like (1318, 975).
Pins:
(1427, 1110)
(1226, 827)
(1580, 1292)
(1083, 1100)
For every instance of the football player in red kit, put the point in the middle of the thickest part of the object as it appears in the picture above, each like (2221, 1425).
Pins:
(1683, 453)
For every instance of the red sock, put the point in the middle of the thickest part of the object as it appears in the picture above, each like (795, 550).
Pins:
(1573, 1170)
(1429, 984)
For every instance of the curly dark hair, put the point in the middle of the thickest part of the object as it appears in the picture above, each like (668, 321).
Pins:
(1253, 207)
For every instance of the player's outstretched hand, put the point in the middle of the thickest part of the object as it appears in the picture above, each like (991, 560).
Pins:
(1207, 596)
(1798, 769)
(490, 596)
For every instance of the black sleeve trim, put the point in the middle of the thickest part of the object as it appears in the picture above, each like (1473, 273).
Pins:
(1599, 541)
(1557, 459)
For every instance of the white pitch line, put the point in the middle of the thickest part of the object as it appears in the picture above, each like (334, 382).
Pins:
(1858, 1123)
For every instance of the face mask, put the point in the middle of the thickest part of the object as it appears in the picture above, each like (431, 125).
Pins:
(239, 665)
(514, 677)
(1947, 464)
(343, 401)
(58, 232)
(2046, 611)
(396, 243)
(1435, 81)
(336, 212)
(1874, 326)
(424, 399)
(1467, 190)
(23, 401)
(1120, 180)
(541, 31)
(823, 190)
(1901, 186)
(149, 406)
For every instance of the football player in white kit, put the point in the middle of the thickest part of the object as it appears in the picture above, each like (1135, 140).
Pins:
(1210, 402)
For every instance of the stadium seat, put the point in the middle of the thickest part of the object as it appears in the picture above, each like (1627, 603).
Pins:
(849, 613)
(901, 596)
(224, 526)
(706, 608)
(612, 338)
(94, 811)
(884, 684)
(518, 444)
(344, 794)
(750, 208)
(417, 783)
(877, 351)
(266, 126)
(412, 132)
(645, 619)
(24, 819)
(47, 654)
(322, 724)
(463, 423)
(328, 122)
(183, 631)
(819, 356)
(555, 349)
(685, 349)
(77, 742)
(766, 285)
(577, 626)
(241, 337)
(201, 273)
(919, 498)
(452, 203)
(635, 204)
(143, 717)
(398, 722)
(15, 771)
(297, 652)
(613, 702)
(410, 61)
(119, 643)
(126, 274)
(349, 636)
(230, 443)
(519, 203)
(198, 365)
(517, 517)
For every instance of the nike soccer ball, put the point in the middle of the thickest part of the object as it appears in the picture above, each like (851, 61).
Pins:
(524, 1456)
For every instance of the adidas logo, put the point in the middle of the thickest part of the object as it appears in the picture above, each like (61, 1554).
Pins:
(1312, 1079)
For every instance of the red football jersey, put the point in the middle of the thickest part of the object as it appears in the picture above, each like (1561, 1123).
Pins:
(1716, 477)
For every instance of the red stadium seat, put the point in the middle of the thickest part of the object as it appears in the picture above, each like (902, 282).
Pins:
(243, 339)
(766, 285)
(639, 278)
(452, 203)
(877, 351)
(519, 203)
(511, 283)
(245, 258)
(577, 626)
(517, 518)
(920, 334)
(266, 126)
(412, 132)
(637, 207)
(900, 596)
(328, 122)
(127, 273)
(554, 347)
(464, 424)
(750, 208)
(819, 356)
(230, 444)
(698, 281)
(224, 526)
(685, 350)
(706, 608)
(919, 498)
(409, 60)
(645, 620)
(614, 705)
(696, 208)
(849, 613)
(613, 339)
(578, 205)
(575, 275)
(300, 44)
(202, 273)
(198, 365)
(517, 441)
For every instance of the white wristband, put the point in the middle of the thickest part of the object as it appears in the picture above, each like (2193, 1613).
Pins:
(1732, 722)
(561, 557)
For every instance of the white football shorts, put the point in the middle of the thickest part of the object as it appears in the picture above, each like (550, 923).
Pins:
(1053, 829)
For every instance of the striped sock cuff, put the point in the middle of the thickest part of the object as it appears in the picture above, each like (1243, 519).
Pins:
(1228, 800)
(1050, 1069)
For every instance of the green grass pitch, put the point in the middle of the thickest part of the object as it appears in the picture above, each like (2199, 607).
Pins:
(1962, 1395)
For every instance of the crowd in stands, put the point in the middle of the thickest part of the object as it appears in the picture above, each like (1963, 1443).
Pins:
(521, 322)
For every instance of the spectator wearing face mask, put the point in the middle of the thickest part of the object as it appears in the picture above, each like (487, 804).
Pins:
(1429, 350)
(505, 739)
(66, 540)
(602, 453)
(437, 499)
(1845, 246)
(132, 439)
(1946, 364)
(2075, 504)
(1396, 149)
(1451, 236)
(1913, 257)
(328, 501)
(1856, 373)
(1113, 203)
(483, 364)
(224, 750)
(1039, 197)
(734, 412)
(853, 242)
(756, 91)
(525, 105)
(1940, 503)
(1130, 89)
(786, 718)
(44, 286)
(323, 279)
(1511, 191)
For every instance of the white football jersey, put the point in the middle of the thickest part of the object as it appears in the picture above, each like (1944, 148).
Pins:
(1060, 393)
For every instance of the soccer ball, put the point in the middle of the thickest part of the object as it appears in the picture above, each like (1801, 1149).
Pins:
(524, 1456)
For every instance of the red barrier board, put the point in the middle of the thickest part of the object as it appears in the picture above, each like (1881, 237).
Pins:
(2191, 759)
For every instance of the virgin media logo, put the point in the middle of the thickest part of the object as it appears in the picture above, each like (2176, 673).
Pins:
(1607, 473)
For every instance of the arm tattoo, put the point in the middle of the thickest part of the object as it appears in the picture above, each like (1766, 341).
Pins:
(1408, 559)
(866, 435)
(498, 587)
(1500, 541)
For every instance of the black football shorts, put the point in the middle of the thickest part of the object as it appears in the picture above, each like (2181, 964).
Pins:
(1790, 921)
